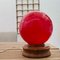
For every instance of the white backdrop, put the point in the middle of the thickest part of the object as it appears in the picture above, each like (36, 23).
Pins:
(52, 8)
(7, 16)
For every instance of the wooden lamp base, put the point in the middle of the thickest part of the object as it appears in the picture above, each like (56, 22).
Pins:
(37, 51)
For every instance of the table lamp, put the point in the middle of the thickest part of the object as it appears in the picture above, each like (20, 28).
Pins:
(35, 28)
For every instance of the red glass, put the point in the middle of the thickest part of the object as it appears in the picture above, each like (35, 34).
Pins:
(36, 28)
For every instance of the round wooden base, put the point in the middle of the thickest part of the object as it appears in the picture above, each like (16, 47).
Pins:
(38, 51)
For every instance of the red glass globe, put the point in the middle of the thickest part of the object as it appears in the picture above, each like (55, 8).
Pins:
(36, 28)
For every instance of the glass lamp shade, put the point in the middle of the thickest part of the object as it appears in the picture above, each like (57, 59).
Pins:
(36, 28)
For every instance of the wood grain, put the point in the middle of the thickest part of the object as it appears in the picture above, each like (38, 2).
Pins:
(13, 51)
